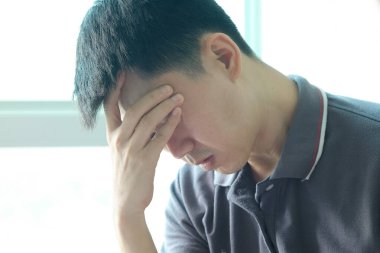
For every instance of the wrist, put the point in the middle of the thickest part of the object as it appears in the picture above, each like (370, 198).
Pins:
(126, 219)
(133, 233)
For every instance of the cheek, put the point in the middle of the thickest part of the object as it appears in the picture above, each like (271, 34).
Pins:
(205, 128)
(208, 121)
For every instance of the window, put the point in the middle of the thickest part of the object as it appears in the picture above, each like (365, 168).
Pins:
(38, 48)
(334, 44)
(60, 199)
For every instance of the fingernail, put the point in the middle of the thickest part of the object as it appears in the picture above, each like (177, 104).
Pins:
(166, 89)
(177, 98)
(176, 111)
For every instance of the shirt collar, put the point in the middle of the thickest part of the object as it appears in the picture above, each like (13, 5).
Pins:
(304, 143)
(305, 139)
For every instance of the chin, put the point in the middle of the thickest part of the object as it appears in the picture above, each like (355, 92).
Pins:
(226, 170)
(231, 168)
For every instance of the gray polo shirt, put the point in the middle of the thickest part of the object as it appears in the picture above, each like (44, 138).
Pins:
(324, 195)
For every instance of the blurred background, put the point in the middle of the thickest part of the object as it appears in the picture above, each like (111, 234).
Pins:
(56, 178)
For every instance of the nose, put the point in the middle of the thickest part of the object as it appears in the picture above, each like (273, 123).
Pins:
(179, 146)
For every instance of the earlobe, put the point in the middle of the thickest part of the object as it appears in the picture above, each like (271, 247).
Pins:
(226, 52)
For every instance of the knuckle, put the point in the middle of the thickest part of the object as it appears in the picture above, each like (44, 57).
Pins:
(118, 144)
(160, 135)
(122, 150)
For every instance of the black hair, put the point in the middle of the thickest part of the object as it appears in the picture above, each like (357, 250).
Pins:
(147, 36)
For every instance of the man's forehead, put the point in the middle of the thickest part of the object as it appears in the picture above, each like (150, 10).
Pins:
(135, 87)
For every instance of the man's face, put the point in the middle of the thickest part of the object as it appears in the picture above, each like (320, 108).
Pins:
(215, 130)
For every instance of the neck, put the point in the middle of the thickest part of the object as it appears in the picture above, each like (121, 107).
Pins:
(279, 95)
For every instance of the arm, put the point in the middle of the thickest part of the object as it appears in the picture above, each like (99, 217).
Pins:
(134, 235)
(135, 156)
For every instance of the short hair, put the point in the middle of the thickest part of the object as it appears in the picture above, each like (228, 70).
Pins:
(150, 37)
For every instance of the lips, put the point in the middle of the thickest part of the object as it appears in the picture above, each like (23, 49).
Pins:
(198, 162)
(207, 163)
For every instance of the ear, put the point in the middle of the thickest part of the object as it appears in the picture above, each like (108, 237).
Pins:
(225, 52)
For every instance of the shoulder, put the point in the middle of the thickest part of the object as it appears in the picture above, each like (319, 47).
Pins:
(355, 121)
(353, 131)
(354, 109)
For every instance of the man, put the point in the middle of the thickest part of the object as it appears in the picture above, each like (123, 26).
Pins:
(274, 163)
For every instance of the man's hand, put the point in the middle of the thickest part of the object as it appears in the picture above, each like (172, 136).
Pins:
(136, 153)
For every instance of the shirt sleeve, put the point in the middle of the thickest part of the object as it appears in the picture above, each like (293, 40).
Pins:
(184, 233)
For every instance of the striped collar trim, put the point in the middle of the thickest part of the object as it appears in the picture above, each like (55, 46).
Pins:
(305, 139)
(321, 133)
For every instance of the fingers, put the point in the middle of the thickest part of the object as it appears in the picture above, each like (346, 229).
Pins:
(153, 119)
(136, 112)
(166, 131)
(111, 107)
(154, 110)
